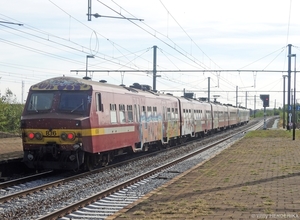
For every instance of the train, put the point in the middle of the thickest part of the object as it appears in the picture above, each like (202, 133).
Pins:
(70, 123)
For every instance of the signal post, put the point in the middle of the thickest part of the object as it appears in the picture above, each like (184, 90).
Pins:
(265, 99)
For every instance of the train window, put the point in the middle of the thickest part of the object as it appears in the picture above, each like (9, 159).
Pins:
(122, 113)
(154, 115)
(99, 102)
(155, 111)
(113, 113)
(40, 101)
(74, 102)
(149, 111)
(143, 116)
(208, 114)
(173, 113)
(169, 114)
(176, 113)
(129, 113)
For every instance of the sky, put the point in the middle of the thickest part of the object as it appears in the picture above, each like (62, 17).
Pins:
(238, 47)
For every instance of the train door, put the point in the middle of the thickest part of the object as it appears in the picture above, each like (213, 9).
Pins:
(238, 116)
(165, 138)
(138, 122)
(193, 121)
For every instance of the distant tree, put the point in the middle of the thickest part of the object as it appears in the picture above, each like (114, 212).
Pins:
(10, 112)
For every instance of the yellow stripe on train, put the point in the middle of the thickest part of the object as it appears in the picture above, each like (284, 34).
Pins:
(55, 133)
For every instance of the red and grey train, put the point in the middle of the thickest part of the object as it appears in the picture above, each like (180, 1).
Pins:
(71, 123)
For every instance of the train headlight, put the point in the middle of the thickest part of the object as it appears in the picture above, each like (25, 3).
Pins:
(67, 136)
(38, 136)
(31, 135)
(71, 136)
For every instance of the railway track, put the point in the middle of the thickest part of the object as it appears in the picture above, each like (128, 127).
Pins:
(25, 179)
(97, 182)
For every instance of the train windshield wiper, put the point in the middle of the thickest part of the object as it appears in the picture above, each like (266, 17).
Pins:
(77, 107)
(33, 107)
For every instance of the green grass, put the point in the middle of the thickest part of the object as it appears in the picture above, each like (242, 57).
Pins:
(273, 133)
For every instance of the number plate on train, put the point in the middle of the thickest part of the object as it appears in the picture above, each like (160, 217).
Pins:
(51, 133)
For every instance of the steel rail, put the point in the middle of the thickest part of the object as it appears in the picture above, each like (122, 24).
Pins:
(24, 179)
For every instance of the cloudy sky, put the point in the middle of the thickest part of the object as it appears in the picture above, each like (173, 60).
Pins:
(234, 43)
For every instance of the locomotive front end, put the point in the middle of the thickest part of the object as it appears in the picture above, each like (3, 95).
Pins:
(53, 121)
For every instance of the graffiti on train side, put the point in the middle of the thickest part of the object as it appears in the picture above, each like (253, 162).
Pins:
(152, 128)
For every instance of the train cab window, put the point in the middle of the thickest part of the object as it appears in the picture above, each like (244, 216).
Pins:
(40, 101)
(113, 113)
(99, 102)
(129, 113)
(122, 113)
(73, 102)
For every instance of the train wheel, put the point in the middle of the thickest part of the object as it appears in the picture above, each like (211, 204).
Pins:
(183, 140)
(90, 162)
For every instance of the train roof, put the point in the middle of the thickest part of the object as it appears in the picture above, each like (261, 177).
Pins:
(76, 84)
(72, 83)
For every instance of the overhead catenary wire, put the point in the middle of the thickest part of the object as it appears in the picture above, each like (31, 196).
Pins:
(130, 61)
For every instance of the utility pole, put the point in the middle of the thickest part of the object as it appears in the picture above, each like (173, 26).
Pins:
(22, 99)
(254, 105)
(274, 106)
(154, 68)
(208, 96)
(289, 86)
(246, 100)
(236, 99)
(89, 10)
(284, 76)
